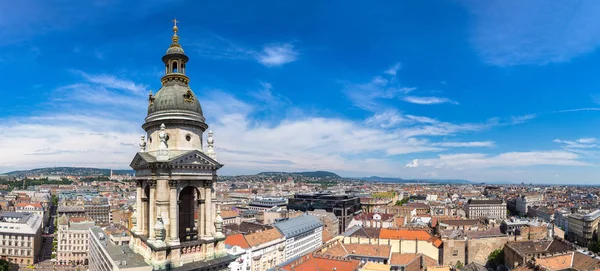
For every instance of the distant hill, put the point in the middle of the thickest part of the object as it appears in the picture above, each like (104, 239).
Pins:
(308, 174)
(400, 180)
(68, 171)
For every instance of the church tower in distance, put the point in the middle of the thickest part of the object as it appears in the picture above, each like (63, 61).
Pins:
(176, 224)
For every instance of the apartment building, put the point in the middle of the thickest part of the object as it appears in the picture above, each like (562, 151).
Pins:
(492, 208)
(21, 237)
(73, 237)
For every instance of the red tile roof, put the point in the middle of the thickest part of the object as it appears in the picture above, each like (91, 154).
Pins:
(320, 263)
(404, 234)
(237, 240)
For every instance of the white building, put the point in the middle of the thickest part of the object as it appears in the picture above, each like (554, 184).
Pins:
(267, 249)
(107, 255)
(73, 236)
(21, 236)
(524, 201)
(491, 208)
(302, 235)
(243, 262)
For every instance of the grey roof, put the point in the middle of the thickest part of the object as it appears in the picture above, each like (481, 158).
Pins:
(298, 225)
(484, 201)
(119, 253)
(22, 217)
(170, 100)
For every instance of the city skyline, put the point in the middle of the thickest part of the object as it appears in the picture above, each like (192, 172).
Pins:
(440, 90)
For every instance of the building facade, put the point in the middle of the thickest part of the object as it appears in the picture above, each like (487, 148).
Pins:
(485, 208)
(177, 224)
(265, 204)
(73, 237)
(583, 227)
(21, 237)
(267, 249)
(344, 207)
(331, 224)
(302, 235)
(523, 202)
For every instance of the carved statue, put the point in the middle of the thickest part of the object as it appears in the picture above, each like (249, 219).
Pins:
(163, 149)
(143, 144)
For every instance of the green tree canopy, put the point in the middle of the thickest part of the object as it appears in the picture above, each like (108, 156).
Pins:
(496, 258)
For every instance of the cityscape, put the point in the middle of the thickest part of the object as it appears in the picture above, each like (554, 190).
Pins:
(176, 173)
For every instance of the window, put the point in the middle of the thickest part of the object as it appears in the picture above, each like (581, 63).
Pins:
(174, 67)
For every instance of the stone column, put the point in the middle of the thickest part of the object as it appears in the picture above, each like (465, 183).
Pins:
(152, 206)
(201, 214)
(138, 204)
(208, 220)
(173, 212)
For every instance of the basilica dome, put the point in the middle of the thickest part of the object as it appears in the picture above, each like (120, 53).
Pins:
(175, 102)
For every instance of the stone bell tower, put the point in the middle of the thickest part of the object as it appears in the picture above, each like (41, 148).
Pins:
(176, 221)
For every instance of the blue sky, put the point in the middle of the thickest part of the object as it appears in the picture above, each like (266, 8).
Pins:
(479, 90)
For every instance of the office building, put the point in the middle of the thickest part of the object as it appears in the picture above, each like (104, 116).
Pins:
(344, 207)
(302, 235)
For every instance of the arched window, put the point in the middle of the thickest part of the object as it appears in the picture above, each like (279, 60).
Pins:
(174, 67)
(182, 67)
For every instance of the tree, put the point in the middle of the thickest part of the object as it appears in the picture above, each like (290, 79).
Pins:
(496, 258)
(4, 265)
(401, 202)
(459, 265)
(594, 246)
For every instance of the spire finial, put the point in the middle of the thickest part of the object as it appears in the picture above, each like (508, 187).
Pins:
(175, 38)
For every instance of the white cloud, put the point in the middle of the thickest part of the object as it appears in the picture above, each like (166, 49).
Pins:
(582, 143)
(386, 119)
(509, 159)
(428, 100)
(111, 81)
(514, 32)
(277, 54)
(412, 164)
(371, 95)
(579, 109)
(586, 140)
(266, 95)
(393, 70)
(522, 119)
(466, 144)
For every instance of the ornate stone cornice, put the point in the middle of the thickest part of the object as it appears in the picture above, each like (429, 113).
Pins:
(207, 184)
(173, 183)
(152, 183)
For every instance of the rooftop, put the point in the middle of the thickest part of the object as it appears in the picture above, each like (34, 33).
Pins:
(263, 237)
(298, 225)
(122, 254)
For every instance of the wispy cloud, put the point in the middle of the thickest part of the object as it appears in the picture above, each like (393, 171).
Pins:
(393, 70)
(582, 143)
(464, 161)
(466, 144)
(270, 55)
(267, 96)
(579, 109)
(514, 32)
(111, 81)
(522, 118)
(428, 100)
(277, 55)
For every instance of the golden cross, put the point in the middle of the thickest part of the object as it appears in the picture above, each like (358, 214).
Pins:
(175, 21)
